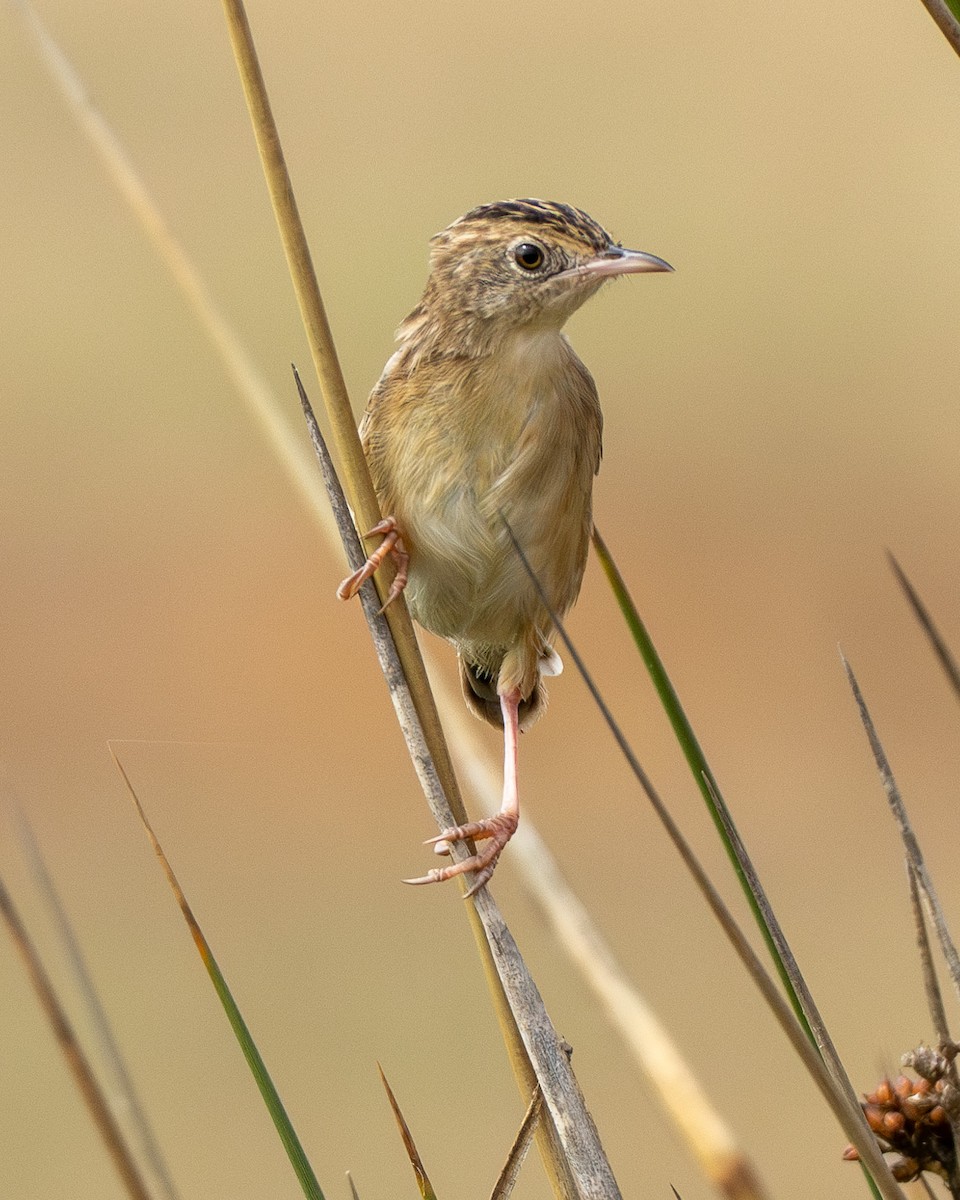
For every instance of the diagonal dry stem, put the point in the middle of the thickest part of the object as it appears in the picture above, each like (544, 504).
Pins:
(581, 1154)
(920, 611)
(907, 834)
(126, 1098)
(362, 498)
(80, 1068)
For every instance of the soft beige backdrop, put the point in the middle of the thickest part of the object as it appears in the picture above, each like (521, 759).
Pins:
(778, 412)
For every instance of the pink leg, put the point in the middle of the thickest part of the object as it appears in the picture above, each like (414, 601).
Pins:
(392, 544)
(496, 830)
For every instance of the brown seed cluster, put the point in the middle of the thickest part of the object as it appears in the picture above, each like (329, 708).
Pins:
(909, 1119)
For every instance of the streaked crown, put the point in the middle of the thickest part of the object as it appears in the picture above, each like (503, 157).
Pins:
(509, 265)
(572, 226)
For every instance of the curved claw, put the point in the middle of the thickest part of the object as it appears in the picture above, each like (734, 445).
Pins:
(499, 829)
(392, 544)
(441, 874)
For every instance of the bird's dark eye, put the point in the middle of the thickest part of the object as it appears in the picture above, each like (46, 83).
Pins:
(528, 255)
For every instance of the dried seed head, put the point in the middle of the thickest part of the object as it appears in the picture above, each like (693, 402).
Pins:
(910, 1118)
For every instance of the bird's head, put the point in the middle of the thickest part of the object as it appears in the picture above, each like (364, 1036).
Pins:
(519, 263)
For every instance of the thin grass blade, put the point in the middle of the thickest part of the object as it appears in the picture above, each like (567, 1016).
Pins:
(848, 1115)
(507, 1179)
(699, 767)
(127, 1098)
(935, 1005)
(423, 1180)
(80, 1068)
(921, 612)
(907, 835)
(271, 1097)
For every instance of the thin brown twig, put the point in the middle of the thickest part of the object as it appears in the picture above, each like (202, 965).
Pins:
(82, 1072)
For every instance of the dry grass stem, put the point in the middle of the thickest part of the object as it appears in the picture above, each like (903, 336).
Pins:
(907, 835)
(938, 1014)
(710, 1139)
(124, 1092)
(362, 498)
(507, 1179)
(80, 1068)
(920, 611)
(931, 986)
(424, 1185)
(582, 1152)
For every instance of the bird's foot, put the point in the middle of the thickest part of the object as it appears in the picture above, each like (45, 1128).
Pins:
(495, 831)
(392, 544)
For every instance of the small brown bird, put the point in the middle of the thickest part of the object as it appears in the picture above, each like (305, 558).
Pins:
(483, 418)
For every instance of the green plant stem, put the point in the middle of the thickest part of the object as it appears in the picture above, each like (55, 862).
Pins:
(696, 760)
(271, 1097)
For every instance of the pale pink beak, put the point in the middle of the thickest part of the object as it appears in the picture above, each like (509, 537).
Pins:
(616, 261)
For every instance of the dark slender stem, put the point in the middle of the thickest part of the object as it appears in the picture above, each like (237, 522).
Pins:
(946, 20)
(907, 835)
(920, 611)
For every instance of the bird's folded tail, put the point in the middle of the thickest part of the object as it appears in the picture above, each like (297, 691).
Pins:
(483, 700)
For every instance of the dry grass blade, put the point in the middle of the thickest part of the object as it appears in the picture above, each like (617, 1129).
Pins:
(907, 835)
(849, 1116)
(76, 1060)
(506, 1181)
(268, 1092)
(583, 1158)
(920, 611)
(126, 1096)
(362, 497)
(931, 986)
(423, 1180)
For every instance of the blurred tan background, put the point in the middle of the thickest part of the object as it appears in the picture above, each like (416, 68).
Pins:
(778, 413)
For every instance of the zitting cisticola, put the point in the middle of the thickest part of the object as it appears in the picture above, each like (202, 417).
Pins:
(485, 417)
